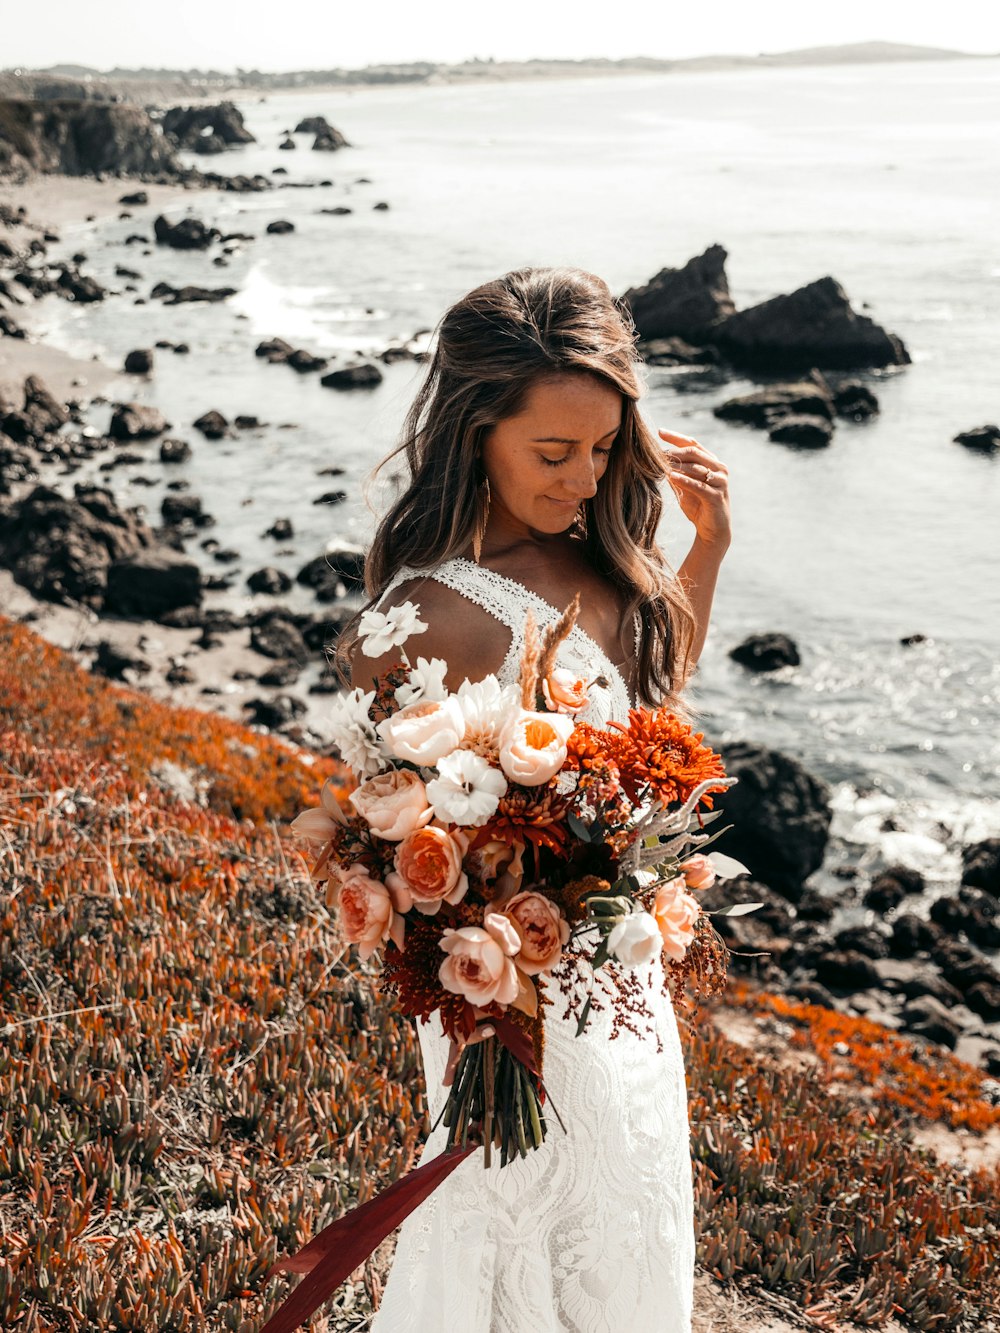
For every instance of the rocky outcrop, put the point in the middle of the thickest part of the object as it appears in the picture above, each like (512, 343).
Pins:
(781, 815)
(81, 138)
(812, 326)
(152, 583)
(206, 129)
(60, 549)
(686, 302)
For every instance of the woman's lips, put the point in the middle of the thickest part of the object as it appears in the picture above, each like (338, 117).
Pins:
(565, 504)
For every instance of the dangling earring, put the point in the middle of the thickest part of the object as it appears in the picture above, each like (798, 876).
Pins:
(482, 517)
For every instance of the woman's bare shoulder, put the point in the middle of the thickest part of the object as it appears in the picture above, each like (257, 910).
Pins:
(470, 640)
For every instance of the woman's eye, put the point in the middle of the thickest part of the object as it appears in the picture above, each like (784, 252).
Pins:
(557, 462)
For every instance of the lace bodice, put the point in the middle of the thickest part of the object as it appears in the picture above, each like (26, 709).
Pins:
(508, 601)
(594, 1231)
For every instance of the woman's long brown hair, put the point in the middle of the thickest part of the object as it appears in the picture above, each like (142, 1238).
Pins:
(492, 346)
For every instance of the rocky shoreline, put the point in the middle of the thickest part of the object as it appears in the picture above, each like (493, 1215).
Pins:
(127, 597)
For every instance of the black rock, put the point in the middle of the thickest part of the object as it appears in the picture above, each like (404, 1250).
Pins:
(139, 362)
(912, 934)
(113, 662)
(867, 940)
(981, 865)
(330, 574)
(282, 674)
(184, 295)
(40, 416)
(183, 509)
(213, 425)
(313, 125)
(280, 227)
(766, 652)
(766, 407)
(189, 233)
(268, 580)
(303, 361)
(983, 999)
(812, 326)
(677, 352)
(973, 910)
(363, 375)
(202, 129)
(781, 814)
(276, 712)
(276, 635)
(287, 144)
(855, 401)
(174, 451)
(846, 970)
(329, 140)
(889, 889)
(77, 287)
(137, 197)
(275, 349)
(134, 421)
(686, 303)
(331, 498)
(812, 432)
(60, 549)
(927, 1017)
(985, 438)
(281, 530)
(151, 584)
(179, 674)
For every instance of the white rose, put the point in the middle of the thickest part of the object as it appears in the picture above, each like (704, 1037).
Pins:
(425, 731)
(533, 746)
(635, 940)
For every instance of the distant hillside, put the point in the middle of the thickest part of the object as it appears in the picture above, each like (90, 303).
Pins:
(156, 85)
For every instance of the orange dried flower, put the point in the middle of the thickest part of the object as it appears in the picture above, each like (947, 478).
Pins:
(659, 750)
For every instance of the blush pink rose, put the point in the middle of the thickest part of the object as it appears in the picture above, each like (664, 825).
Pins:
(541, 929)
(480, 963)
(533, 746)
(565, 691)
(366, 913)
(676, 913)
(394, 803)
(425, 731)
(698, 872)
(429, 870)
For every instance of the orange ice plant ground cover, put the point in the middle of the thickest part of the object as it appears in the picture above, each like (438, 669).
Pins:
(195, 1076)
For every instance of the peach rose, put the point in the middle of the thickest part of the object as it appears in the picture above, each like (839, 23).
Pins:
(565, 691)
(698, 872)
(541, 928)
(676, 913)
(480, 962)
(393, 803)
(366, 913)
(533, 746)
(425, 731)
(428, 870)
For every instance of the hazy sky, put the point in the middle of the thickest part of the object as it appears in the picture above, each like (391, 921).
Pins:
(310, 34)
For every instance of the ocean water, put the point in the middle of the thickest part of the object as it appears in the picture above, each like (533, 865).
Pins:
(884, 176)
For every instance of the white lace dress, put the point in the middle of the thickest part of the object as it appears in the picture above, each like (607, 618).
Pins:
(593, 1232)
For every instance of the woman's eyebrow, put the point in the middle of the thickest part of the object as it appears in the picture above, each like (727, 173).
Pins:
(559, 439)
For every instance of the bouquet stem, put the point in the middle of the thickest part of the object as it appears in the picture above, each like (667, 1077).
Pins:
(494, 1098)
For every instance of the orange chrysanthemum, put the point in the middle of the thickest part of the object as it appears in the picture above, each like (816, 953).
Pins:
(529, 815)
(659, 750)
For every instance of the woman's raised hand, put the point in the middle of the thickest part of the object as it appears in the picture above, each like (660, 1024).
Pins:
(701, 484)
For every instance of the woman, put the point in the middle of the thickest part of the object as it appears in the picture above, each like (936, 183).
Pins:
(532, 477)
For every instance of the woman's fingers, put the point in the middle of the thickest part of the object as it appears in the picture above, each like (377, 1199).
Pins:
(688, 450)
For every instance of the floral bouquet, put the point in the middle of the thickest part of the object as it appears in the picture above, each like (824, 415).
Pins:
(489, 835)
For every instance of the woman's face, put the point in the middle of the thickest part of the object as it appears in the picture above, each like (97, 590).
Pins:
(543, 463)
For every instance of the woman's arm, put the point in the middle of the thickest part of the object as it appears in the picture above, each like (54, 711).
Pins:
(699, 574)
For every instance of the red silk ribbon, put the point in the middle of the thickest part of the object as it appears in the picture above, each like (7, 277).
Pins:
(336, 1251)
